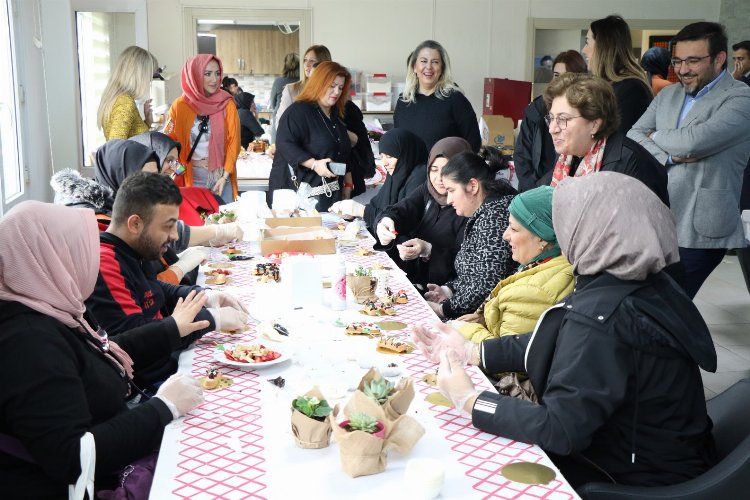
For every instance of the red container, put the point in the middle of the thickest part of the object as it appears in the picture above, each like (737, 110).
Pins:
(506, 97)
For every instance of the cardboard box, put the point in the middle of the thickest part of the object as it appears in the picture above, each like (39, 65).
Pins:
(499, 131)
(291, 239)
(309, 221)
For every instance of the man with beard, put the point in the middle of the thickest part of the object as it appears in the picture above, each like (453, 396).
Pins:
(699, 131)
(144, 221)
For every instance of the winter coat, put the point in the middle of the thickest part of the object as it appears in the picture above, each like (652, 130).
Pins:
(616, 369)
(516, 303)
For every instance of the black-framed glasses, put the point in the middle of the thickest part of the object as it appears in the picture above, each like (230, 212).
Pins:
(561, 120)
(690, 61)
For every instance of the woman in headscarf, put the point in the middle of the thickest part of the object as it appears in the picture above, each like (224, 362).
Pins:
(404, 156)
(423, 228)
(65, 384)
(249, 126)
(544, 276)
(204, 120)
(615, 365)
(656, 62)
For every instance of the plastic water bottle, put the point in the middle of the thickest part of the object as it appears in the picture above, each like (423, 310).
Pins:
(338, 286)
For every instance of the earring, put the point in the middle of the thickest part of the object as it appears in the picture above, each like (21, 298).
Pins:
(593, 136)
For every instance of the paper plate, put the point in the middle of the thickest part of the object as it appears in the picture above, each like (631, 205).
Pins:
(528, 473)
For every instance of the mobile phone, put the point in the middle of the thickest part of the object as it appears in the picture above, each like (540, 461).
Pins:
(337, 168)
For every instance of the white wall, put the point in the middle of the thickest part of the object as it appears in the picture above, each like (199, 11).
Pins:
(483, 37)
(552, 42)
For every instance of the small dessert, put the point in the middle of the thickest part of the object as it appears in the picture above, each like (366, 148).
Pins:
(232, 251)
(361, 328)
(393, 344)
(401, 297)
(341, 226)
(267, 272)
(362, 252)
(217, 272)
(212, 378)
(373, 308)
(219, 280)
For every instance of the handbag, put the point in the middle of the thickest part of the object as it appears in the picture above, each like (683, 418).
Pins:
(134, 481)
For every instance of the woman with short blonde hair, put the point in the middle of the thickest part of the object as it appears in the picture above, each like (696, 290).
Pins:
(131, 78)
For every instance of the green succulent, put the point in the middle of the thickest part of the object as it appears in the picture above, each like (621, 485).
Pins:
(362, 271)
(312, 407)
(363, 422)
(379, 389)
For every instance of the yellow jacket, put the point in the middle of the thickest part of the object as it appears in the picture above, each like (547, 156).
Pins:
(516, 303)
(124, 121)
(180, 121)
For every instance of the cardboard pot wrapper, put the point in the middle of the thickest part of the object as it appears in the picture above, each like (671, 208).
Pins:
(399, 400)
(362, 287)
(363, 454)
(308, 432)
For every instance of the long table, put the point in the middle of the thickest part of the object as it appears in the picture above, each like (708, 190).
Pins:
(239, 443)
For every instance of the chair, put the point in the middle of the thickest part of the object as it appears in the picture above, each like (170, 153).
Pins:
(728, 479)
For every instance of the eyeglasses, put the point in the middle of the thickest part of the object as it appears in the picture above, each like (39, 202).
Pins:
(690, 61)
(561, 120)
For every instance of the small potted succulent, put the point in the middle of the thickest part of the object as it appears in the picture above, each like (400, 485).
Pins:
(393, 398)
(379, 389)
(310, 423)
(362, 285)
(365, 423)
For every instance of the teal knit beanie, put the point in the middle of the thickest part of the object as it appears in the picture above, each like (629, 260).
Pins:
(533, 209)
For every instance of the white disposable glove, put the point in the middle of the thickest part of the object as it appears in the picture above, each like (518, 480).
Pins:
(228, 318)
(437, 293)
(226, 233)
(191, 258)
(455, 383)
(413, 248)
(349, 208)
(386, 230)
(224, 299)
(181, 393)
(445, 340)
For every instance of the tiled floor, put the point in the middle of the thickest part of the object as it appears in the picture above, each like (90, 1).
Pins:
(724, 302)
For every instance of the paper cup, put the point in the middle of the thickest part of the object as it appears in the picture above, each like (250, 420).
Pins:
(423, 478)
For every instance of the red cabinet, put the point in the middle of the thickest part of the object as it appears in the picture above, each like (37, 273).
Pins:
(506, 97)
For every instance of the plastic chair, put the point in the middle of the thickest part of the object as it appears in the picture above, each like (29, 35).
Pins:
(728, 479)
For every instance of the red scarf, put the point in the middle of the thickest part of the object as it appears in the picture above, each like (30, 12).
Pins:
(590, 163)
(213, 105)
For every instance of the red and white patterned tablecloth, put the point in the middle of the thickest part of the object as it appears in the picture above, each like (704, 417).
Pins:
(238, 444)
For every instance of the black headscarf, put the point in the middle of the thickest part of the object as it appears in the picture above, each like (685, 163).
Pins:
(159, 143)
(119, 158)
(244, 100)
(411, 153)
(656, 61)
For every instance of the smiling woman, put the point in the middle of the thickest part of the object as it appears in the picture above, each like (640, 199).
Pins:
(432, 105)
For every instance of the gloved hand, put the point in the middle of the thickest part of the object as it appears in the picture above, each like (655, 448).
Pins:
(181, 393)
(437, 309)
(437, 293)
(445, 340)
(228, 318)
(454, 383)
(386, 230)
(226, 233)
(224, 299)
(348, 208)
(413, 248)
(185, 311)
(191, 258)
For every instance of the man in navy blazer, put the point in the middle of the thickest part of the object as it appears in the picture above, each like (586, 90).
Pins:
(699, 131)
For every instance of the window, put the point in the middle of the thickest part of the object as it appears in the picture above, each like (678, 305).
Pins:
(11, 181)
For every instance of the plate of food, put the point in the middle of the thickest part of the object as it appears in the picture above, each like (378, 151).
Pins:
(276, 258)
(251, 356)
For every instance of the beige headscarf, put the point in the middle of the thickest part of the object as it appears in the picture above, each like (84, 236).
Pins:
(611, 222)
(49, 261)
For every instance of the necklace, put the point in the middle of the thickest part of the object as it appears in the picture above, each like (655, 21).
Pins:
(333, 133)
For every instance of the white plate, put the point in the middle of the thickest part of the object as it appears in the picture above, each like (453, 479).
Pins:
(221, 358)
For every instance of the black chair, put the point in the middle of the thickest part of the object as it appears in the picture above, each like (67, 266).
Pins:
(728, 479)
